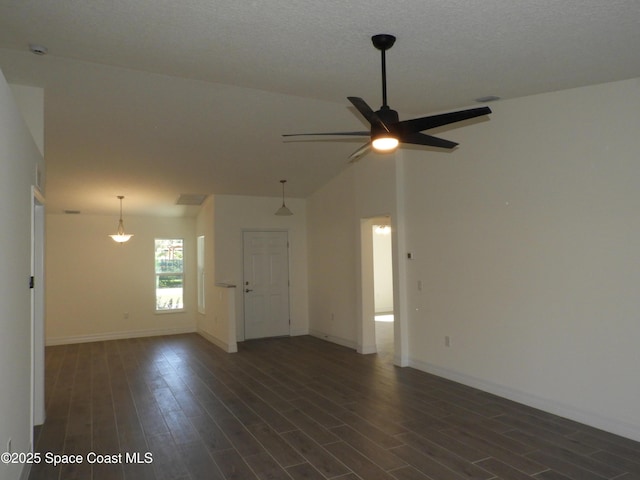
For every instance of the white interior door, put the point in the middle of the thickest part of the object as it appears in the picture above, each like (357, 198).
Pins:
(266, 284)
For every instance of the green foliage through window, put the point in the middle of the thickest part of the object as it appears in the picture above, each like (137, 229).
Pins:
(169, 265)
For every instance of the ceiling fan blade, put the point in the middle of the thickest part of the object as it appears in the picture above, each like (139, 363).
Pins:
(352, 134)
(428, 140)
(366, 111)
(433, 121)
(386, 127)
(359, 153)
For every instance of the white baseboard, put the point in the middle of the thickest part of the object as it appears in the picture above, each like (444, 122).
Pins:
(330, 338)
(367, 349)
(297, 332)
(400, 361)
(363, 349)
(100, 337)
(611, 425)
(217, 342)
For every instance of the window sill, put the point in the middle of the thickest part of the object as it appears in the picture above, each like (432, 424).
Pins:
(175, 310)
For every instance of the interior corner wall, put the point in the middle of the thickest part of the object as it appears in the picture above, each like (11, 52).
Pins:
(215, 323)
(363, 190)
(526, 241)
(30, 101)
(332, 235)
(237, 213)
(99, 290)
(19, 156)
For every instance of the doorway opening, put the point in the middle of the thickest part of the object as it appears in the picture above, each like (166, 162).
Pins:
(383, 286)
(377, 280)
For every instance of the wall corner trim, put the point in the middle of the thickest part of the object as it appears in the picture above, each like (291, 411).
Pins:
(217, 342)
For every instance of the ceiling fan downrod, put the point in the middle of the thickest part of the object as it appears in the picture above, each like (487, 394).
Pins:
(383, 42)
(386, 130)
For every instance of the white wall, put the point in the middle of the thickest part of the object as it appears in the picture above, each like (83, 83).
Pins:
(30, 102)
(526, 239)
(332, 237)
(217, 323)
(234, 214)
(97, 289)
(19, 156)
(382, 272)
(364, 190)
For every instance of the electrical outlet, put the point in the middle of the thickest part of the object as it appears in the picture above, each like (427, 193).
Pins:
(447, 341)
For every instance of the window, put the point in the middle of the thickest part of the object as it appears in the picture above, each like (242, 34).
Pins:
(200, 253)
(169, 274)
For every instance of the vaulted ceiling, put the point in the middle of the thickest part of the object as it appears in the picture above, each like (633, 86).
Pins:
(154, 98)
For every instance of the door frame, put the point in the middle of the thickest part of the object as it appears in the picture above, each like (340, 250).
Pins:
(241, 320)
(366, 325)
(366, 340)
(37, 308)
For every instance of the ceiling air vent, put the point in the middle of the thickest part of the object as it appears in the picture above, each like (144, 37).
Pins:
(488, 98)
(191, 199)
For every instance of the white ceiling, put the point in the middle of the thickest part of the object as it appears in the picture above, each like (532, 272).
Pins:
(154, 98)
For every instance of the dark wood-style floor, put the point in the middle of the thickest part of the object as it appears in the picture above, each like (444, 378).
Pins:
(297, 408)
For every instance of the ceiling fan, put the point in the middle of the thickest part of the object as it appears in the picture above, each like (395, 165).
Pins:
(387, 131)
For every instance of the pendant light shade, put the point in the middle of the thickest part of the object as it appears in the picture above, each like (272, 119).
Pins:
(283, 211)
(121, 237)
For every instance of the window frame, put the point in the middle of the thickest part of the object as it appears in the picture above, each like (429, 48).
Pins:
(201, 259)
(158, 275)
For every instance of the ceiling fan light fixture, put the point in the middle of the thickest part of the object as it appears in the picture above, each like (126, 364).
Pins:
(385, 144)
(387, 131)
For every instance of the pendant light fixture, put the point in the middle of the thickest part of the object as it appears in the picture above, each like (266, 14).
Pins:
(121, 237)
(283, 210)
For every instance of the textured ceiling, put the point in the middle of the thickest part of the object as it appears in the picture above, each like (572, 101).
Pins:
(154, 98)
